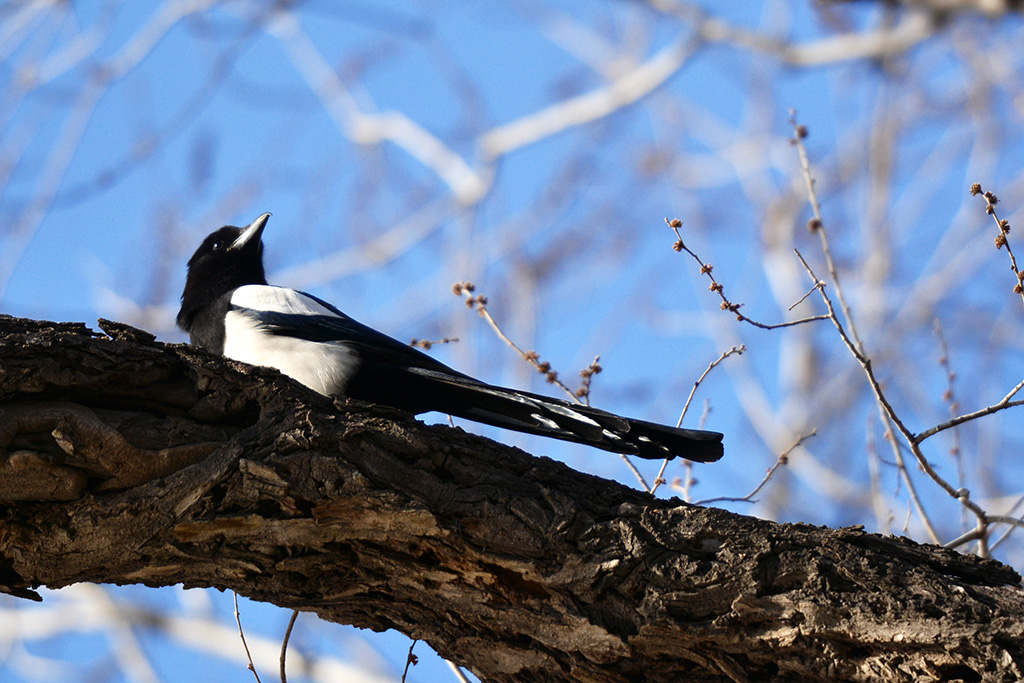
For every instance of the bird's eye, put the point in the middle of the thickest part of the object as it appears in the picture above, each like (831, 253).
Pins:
(218, 245)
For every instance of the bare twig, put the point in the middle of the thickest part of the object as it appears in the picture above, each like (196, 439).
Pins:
(737, 350)
(980, 534)
(636, 473)
(966, 537)
(426, 344)
(371, 128)
(799, 301)
(856, 347)
(478, 302)
(622, 91)
(241, 633)
(914, 502)
(885, 41)
(884, 516)
(284, 644)
(1002, 239)
(949, 396)
(659, 480)
(1018, 523)
(587, 375)
(888, 412)
(783, 459)
(410, 659)
(818, 225)
(688, 480)
(967, 417)
(717, 287)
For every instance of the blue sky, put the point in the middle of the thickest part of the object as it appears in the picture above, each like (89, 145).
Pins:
(127, 138)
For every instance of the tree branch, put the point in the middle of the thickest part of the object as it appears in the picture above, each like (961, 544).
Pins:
(516, 567)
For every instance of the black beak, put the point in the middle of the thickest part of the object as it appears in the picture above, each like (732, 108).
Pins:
(253, 232)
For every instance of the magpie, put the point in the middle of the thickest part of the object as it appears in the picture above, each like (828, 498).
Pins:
(228, 308)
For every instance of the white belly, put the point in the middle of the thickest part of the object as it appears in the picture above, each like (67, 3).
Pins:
(325, 367)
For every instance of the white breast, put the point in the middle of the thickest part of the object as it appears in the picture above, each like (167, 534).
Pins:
(324, 367)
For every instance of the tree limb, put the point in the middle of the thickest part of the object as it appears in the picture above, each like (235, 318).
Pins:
(130, 461)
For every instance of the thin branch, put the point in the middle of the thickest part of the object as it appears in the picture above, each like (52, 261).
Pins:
(131, 656)
(967, 537)
(885, 41)
(384, 248)
(818, 225)
(587, 376)
(737, 350)
(73, 129)
(410, 659)
(810, 291)
(884, 516)
(687, 479)
(1002, 239)
(855, 345)
(478, 302)
(1004, 519)
(1018, 523)
(783, 459)
(284, 644)
(901, 466)
(636, 473)
(427, 344)
(949, 396)
(717, 287)
(659, 480)
(241, 633)
(960, 494)
(967, 417)
(467, 184)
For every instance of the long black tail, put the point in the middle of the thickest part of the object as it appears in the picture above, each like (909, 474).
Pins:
(462, 396)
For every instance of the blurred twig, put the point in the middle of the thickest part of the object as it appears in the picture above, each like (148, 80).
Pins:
(949, 397)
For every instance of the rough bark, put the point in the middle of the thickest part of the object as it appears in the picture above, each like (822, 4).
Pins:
(125, 460)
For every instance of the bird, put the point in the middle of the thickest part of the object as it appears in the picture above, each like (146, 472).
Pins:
(228, 308)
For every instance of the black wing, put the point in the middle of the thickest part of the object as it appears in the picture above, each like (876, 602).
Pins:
(392, 373)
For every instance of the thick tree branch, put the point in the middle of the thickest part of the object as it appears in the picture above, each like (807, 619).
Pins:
(130, 461)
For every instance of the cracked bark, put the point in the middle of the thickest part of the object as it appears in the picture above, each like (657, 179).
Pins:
(125, 460)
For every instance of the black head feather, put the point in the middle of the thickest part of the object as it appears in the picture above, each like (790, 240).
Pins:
(227, 259)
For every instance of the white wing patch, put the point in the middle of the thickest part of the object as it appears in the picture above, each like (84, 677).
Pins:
(550, 424)
(324, 367)
(569, 412)
(277, 300)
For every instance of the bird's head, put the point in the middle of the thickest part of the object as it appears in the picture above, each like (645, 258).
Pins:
(228, 258)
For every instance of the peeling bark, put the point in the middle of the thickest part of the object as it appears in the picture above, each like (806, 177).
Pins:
(125, 460)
